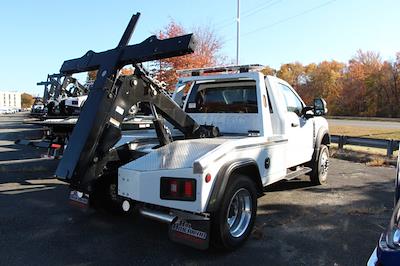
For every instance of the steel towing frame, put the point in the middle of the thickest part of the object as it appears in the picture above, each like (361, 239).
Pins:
(90, 148)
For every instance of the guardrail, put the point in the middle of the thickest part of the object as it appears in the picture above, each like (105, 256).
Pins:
(389, 144)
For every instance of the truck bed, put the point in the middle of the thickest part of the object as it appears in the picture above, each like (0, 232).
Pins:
(178, 154)
(183, 153)
(193, 158)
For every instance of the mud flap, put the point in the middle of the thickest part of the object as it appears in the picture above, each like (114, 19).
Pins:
(191, 232)
(79, 199)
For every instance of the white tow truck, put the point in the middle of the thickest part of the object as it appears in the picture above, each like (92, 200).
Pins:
(234, 133)
(267, 134)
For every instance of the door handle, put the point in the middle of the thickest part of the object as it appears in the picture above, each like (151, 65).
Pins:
(295, 124)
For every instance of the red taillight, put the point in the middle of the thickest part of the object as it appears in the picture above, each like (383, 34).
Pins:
(188, 189)
(55, 146)
(172, 188)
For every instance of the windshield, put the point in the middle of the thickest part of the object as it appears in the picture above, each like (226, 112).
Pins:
(226, 97)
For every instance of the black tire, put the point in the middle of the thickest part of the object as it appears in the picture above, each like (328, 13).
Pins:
(64, 109)
(397, 184)
(70, 110)
(221, 235)
(51, 109)
(320, 166)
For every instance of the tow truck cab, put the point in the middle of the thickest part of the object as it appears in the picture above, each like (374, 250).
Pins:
(268, 107)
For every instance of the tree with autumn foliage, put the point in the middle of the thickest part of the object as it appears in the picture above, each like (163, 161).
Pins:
(268, 71)
(91, 76)
(206, 54)
(390, 86)
(364, 86)
(26, 100)
(125, 71)
(292, 73)
(323, 80)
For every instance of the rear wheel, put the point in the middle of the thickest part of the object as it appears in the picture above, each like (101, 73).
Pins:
(105, 194)
(320, 166)
(51, 108)
(65, 110)
(234, 220)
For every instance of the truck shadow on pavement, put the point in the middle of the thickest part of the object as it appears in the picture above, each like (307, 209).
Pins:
(285, 185)
(13, 152)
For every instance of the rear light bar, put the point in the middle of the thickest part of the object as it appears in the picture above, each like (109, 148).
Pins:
(172, 188)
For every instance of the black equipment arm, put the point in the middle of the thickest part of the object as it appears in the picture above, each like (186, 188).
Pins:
(46, 94)
(98, 127)
(45, 83)
(148, 50)
(78, 89)
(55, 81)
(55, 84)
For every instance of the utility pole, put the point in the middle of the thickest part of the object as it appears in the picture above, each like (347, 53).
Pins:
(237, 32)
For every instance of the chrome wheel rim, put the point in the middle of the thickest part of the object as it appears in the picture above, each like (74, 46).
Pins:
(324, 165)
(239, 212)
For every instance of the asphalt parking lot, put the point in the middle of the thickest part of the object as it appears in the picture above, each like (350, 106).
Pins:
(297, 224)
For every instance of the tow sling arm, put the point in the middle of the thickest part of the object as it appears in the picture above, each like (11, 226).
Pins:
(97, 130)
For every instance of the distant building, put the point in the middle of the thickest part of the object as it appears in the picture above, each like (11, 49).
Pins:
(10, 99)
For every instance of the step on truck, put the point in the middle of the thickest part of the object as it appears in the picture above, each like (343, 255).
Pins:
(224, 135)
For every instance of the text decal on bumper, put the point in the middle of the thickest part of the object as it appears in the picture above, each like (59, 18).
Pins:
(194, 233)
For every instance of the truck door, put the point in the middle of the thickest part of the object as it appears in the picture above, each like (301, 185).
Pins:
(299, 130)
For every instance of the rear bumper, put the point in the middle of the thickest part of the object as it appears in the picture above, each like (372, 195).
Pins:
(184, 227)
(144, 187)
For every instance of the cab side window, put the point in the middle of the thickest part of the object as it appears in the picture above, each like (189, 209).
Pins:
(293, 103)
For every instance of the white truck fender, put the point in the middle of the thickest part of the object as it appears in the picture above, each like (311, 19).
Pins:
(247, 167)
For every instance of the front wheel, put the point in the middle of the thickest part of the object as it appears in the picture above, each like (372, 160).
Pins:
(397, 183)
(65, 110)
(234, 220)
(320, 166)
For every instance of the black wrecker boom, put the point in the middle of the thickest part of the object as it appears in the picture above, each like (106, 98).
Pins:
(58, 88)
(54, 81)
(90, 147)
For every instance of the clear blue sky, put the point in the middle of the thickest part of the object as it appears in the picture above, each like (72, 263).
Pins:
(37, 36)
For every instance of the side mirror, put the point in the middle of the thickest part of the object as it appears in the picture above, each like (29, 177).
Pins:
(320, 107)
(306, 112)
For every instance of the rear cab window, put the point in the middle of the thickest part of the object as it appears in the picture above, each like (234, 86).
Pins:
(223, 97)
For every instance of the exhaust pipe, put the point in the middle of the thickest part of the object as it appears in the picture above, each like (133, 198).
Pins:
(157, 215)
